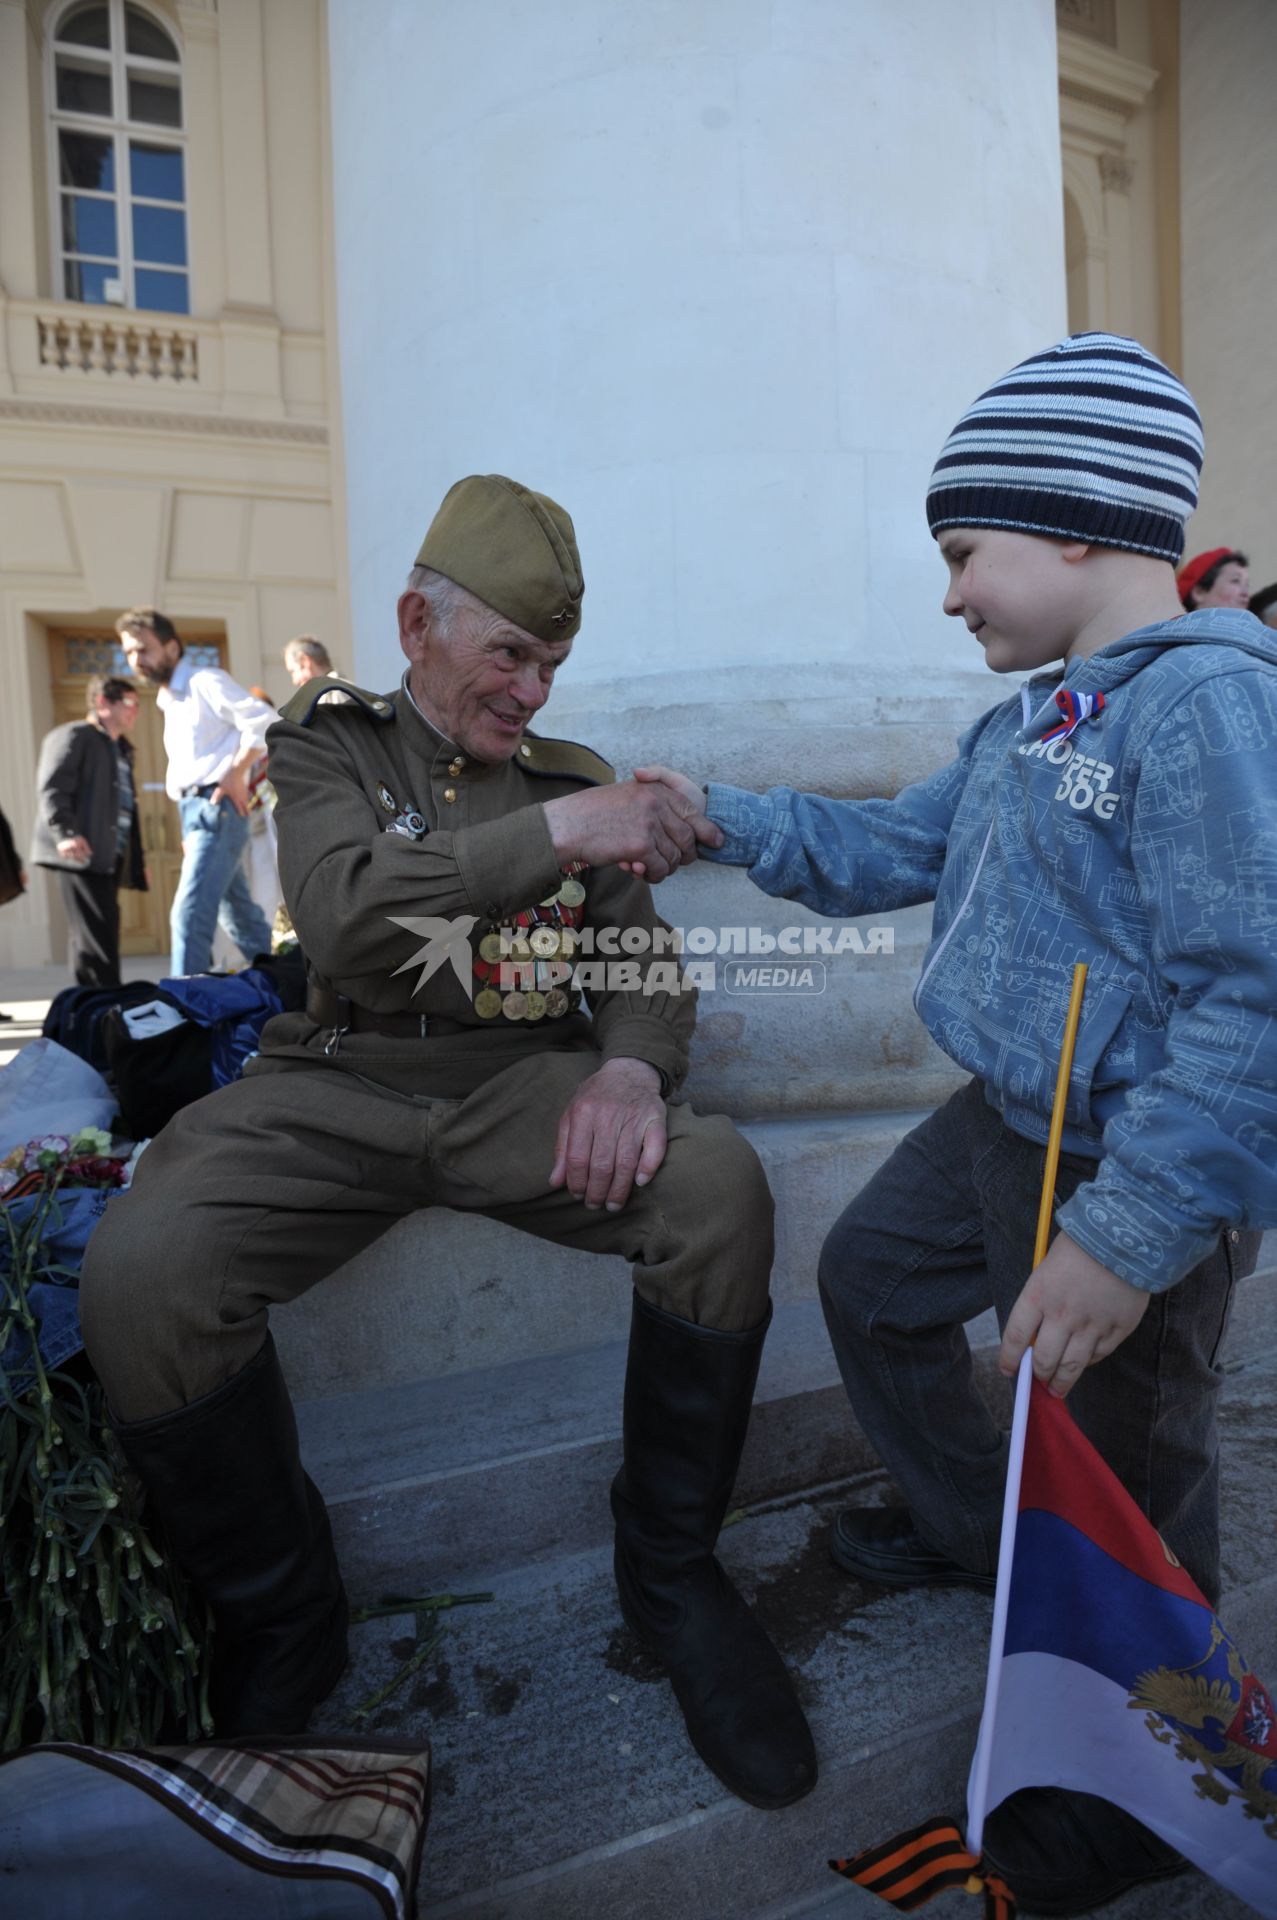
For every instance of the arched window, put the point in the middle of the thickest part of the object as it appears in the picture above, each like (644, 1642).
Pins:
(118, 159)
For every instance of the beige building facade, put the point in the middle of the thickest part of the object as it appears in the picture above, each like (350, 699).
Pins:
(171, 436)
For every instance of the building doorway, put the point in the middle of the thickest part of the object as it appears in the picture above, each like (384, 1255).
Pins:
(75, 655)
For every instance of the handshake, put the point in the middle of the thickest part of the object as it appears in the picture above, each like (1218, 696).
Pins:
(649, 825)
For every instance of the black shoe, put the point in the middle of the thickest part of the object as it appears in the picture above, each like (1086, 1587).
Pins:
(1067, 1853)
(882, 1544)
(688, 1392)
(250, 1531)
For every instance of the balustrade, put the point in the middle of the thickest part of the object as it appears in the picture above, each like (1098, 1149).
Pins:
(128, 347)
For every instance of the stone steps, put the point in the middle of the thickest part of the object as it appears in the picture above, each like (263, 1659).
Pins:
(565, 1786)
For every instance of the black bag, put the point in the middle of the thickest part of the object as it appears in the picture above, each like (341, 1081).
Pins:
(75, 1017)
(155, 1074)
(287, 974)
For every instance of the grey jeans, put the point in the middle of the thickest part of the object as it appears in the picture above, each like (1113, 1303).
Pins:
(944, 1230)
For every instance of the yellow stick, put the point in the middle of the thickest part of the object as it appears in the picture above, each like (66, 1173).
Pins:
(1057, 1113)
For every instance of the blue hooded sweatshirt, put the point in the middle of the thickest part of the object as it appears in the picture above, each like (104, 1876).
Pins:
(1144, 844)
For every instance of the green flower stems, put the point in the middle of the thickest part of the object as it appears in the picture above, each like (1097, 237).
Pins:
(99, 1642)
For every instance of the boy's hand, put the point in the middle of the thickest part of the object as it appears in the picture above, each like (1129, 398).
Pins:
(707, 834)
(1074, 1311)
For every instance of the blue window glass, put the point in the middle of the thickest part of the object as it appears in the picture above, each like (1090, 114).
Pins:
(159, 236)
(144, 35)
(86, 280)
(88, 226)
(155, 172)
(162, 292)
(86, 160)
(83, 86)
(86, 27)
(156, 100)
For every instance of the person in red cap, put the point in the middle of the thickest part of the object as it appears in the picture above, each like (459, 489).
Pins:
(1216, 578)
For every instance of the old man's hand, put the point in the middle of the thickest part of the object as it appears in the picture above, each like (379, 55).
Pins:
(612, 1135)
(647, 826)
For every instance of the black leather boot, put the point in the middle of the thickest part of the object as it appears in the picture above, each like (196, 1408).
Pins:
(688, 1392)
(250, 1531)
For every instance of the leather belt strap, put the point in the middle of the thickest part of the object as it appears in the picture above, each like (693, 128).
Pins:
(328, 1008)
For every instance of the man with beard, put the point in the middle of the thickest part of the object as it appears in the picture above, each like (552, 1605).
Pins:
(214, 731)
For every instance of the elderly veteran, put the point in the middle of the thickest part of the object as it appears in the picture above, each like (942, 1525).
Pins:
(413, 828)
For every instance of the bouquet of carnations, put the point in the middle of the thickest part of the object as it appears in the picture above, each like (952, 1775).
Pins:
(99, 1640)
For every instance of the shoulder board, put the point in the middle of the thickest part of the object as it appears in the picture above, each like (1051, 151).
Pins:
(301, 708)
(564, 760)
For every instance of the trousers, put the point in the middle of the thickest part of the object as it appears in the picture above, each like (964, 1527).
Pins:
(945, 1230)
(255, 1193)
(213, 886)
(92, 902)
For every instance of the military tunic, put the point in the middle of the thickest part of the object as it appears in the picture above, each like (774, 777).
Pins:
(381, 820)
(338, 1129)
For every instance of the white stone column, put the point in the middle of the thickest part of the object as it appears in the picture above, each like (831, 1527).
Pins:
(719, 276)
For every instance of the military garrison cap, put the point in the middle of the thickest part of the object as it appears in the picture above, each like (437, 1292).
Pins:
(513, 549)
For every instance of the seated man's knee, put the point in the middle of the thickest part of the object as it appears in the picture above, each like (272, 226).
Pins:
(717, 1211)
(725, 1189)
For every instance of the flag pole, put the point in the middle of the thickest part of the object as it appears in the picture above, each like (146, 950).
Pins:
(978, 1786)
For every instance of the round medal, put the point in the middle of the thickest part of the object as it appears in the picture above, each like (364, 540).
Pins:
(386, 799)
(487, 1004)
(572, 893)
(490, 947)
(515, 1006)
(556, 1003)
(544, 942)
(536, 1007)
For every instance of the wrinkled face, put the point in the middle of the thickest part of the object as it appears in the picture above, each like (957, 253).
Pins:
(302, 668)
(150, 656)
(1014, 591)
(1229, 588)
(482, 681)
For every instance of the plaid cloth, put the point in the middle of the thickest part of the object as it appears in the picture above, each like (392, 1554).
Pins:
(338, 1830)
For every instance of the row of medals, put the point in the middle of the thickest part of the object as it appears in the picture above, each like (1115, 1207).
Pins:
(523, 973)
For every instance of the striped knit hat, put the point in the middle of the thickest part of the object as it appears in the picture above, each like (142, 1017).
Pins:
(1092, 440)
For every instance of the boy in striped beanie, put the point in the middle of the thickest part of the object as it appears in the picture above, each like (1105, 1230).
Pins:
(1118, 810)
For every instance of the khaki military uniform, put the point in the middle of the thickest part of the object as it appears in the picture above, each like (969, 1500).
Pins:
(392, 1092)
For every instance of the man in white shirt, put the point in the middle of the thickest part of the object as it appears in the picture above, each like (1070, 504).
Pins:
(214, 731)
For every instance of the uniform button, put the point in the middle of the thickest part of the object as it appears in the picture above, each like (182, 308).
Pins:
(450, 794)
(457, 765)
(1234, 1236)
(526, 751)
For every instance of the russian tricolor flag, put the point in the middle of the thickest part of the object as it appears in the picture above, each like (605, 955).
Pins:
(1109, 1672)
